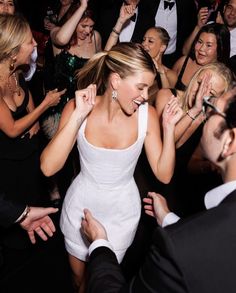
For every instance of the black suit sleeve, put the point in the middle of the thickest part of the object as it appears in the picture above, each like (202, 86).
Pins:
(9, 211)
(159, 273)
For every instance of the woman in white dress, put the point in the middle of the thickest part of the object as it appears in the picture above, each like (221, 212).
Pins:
(111, 121)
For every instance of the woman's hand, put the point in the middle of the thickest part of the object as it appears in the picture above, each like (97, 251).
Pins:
(203, 88)
(126, 12)
(85, 99)
(172, 112)
(53, 97)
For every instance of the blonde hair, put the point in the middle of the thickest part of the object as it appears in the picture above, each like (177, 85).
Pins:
(13, 29)
(218, 68)
(125, 59)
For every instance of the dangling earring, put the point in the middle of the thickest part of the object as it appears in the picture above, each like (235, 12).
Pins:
(114, 95)
(12, 64)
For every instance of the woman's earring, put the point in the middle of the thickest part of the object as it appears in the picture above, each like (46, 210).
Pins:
(114, 95)
(12, 64)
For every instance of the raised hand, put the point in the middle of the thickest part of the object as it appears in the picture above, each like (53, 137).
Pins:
(85, 99)
(172, 112)
(126, 12)
(201, 90)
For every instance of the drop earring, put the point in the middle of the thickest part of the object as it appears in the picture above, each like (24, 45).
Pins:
(114, 95)
(12, 64)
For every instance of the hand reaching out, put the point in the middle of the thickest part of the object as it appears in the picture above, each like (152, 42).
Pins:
(126, 12)
(156, 206)
(39, 222)
(92, 228)
(53, 97)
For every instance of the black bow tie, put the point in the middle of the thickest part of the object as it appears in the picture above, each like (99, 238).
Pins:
(133, 18)
(168, 4)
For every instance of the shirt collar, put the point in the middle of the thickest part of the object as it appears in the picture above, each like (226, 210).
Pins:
(215, 196)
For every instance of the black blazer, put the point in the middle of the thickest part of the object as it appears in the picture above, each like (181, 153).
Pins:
(9, 211)
(196, 255)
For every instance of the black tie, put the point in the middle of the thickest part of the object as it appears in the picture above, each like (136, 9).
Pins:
(168, 4)
(133, 18)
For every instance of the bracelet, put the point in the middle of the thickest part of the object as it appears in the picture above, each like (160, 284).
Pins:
(24, 215)
(115, 31)
(190, 116)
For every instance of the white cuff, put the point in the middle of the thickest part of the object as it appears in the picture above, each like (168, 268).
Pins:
(170, 218)
(99, 243)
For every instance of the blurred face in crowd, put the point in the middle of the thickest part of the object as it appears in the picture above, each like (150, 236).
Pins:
(66, 2)
(131, 2)
(152, 43)
(85, 28)
(7, 7)
(230, 14)
(206, 49)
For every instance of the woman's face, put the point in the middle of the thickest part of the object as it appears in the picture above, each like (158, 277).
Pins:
(26, 49)
(152, 43)
(206, 49)
(84, 28)
(133, 91)
(66, 2)
(7, 7)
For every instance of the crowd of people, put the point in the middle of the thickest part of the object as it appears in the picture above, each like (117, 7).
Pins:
(117, 146)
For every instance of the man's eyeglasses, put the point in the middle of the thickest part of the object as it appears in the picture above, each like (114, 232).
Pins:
(207, 104)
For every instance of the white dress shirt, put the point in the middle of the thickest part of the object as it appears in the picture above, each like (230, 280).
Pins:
(128, 29)
(233, 42)
(212, 199)
(168, 20)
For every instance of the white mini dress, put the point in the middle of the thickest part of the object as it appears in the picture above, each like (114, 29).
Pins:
(106, 186)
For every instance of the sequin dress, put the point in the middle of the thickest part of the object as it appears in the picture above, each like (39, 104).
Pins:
(105, 186)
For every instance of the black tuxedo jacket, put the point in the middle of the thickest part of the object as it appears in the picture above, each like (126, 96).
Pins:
(108, 12)
(196, 255)
(9, 211)
(186, 20)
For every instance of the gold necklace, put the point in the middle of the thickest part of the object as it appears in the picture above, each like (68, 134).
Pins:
(15, 89)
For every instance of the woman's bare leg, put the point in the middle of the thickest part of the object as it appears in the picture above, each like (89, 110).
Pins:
(78, 270)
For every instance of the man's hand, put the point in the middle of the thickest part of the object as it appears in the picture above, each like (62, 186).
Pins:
(92, 228)
(156, 206)
(38, 221)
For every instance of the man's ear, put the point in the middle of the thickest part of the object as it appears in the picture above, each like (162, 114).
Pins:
(115, 80)
(229, 147)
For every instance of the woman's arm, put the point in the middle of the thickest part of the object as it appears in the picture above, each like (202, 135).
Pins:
(61, 35)
(56, 152)
(126, 11)
(161, 152)
(14, 128)
(202, 20)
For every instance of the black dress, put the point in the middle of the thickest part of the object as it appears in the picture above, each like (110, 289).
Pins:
(23, 263)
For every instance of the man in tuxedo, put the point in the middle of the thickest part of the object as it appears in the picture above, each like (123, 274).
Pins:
(179, 18)
(196, 254)
(108, 12)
